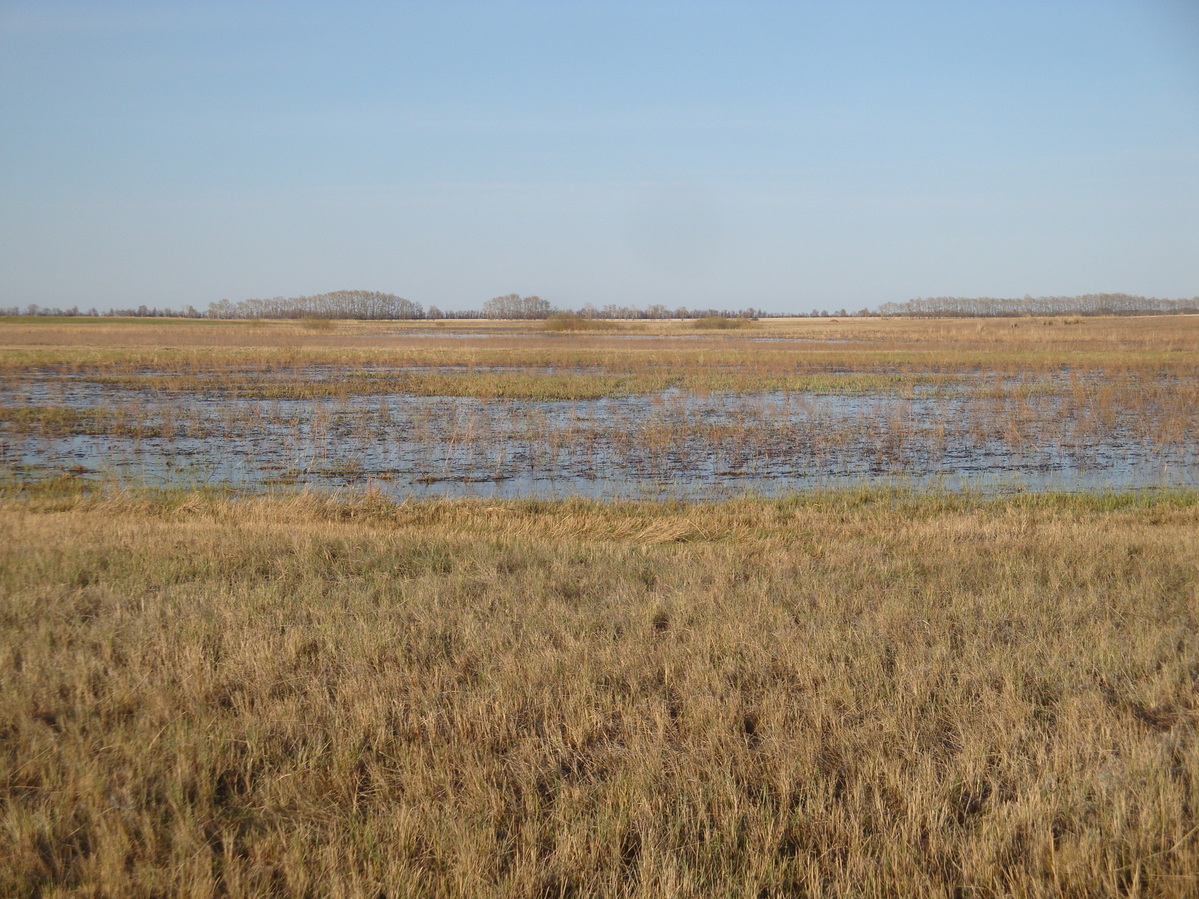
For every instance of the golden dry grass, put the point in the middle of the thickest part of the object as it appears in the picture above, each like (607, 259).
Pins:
(758, 358)
(843, 695)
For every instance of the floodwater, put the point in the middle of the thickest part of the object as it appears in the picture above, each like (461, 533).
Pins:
(665, 445)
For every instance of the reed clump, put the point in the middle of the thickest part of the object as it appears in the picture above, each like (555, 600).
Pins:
(317, 323)
(345, 696)
(573, 321)
(722, 323)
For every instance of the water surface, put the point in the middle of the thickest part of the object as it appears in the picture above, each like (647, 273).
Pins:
(666, 444)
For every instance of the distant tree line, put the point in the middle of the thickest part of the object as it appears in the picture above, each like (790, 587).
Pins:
(513, 306)
(1086, 304)
(366, 305)
(374, 306)
(72, 311)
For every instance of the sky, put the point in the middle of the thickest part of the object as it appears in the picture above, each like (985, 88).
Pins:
(785, 156)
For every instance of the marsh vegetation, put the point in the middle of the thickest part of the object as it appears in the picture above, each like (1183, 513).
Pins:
(657, 410)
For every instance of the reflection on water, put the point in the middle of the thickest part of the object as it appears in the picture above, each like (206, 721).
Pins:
(671, 444)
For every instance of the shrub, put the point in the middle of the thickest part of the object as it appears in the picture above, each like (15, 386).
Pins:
(720, 323)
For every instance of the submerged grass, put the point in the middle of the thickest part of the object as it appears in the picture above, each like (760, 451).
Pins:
(335, 381)
(863, 693)
(60, 421)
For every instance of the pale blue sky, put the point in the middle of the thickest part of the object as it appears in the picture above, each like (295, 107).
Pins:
(791, 156)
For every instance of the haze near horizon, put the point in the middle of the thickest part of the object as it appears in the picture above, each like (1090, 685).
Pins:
(782, 156)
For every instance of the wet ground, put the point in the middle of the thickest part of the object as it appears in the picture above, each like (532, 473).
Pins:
(1023, 434)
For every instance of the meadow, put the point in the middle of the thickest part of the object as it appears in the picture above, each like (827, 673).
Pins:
(252, 689)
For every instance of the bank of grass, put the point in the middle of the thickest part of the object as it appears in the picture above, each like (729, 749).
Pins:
(862, 693)
(759, 357)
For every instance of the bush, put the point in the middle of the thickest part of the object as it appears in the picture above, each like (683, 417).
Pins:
(720, 323)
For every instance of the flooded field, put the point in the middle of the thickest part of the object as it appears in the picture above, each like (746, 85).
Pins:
(988, 406)
(1059, 432)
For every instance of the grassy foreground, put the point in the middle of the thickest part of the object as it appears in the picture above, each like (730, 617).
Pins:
(852, 694)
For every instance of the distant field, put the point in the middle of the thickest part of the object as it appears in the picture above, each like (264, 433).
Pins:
(769, 348)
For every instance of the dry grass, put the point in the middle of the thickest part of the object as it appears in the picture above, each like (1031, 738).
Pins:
(852, 694)
(754, 359)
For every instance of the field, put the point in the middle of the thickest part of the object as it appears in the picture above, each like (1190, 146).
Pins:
(653, 410)
(867, 690)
